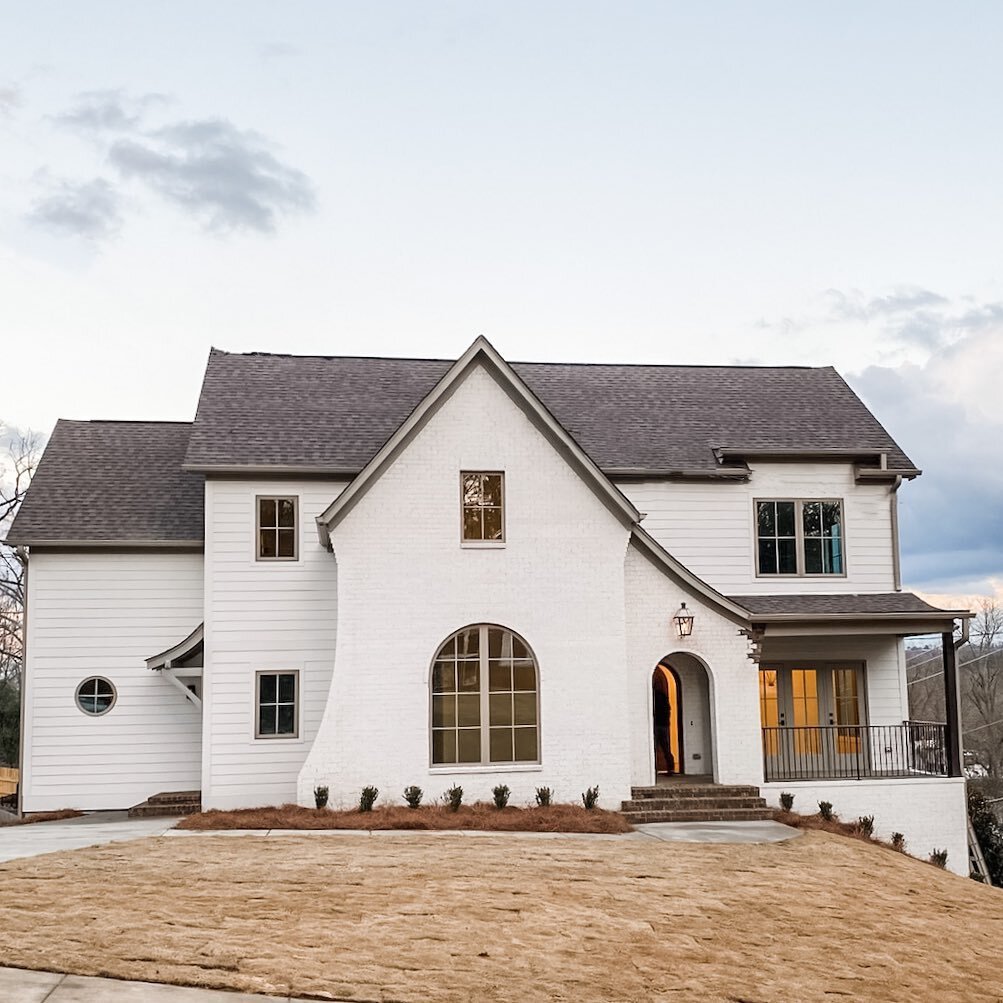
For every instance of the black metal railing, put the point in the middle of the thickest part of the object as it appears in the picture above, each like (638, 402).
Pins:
(856, 752)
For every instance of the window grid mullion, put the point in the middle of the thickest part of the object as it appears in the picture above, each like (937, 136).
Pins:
(484, 693)
(799, 538)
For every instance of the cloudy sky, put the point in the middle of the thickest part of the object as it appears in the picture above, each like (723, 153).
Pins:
(659, 182)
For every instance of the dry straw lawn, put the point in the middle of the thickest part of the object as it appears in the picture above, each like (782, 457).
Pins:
(415, 917)
(556, 818)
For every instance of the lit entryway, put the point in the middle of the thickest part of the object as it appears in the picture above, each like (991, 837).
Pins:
(680, 719)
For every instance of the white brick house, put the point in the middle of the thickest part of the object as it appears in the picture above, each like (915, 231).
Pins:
(392, 572)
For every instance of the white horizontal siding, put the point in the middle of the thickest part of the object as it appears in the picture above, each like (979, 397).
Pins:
(104, 614)
(710, 526)
(263, 615)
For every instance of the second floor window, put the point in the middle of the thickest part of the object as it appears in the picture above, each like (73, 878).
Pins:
(800, 537)
(276, 529)
(481, 498)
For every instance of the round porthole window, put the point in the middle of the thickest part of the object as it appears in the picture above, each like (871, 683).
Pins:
(95, 696)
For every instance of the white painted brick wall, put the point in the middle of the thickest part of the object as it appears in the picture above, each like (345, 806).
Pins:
(405, 584)
(931, 814)
(652, 599)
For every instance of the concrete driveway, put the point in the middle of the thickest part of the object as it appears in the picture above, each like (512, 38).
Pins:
(20, 986)
(74, 833)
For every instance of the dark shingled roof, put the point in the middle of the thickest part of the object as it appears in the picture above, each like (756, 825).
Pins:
(334, 413)
(106, 481)
(880, 602)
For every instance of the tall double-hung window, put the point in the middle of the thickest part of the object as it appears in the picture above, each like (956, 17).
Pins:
(795, 537)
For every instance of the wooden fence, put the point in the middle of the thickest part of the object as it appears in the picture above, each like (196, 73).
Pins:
(8, 780)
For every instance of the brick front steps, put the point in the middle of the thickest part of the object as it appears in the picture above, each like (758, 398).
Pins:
(171, 803)
(695, 803)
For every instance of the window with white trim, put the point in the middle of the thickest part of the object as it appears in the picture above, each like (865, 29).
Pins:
(276, 528)
(482, 507)
(485, 699)
(277, 705)
(800, 537)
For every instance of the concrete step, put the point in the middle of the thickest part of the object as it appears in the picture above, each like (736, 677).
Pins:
(692, 804)
(704, 815)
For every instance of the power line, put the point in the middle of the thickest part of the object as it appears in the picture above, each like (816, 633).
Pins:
(960, 665)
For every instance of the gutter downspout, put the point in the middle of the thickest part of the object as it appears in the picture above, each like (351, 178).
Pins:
(22, 556)
(893, 491)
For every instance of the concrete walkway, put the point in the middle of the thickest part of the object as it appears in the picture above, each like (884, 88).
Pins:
(719, 832)
(21, 986)
(74, 833)
(18, 841)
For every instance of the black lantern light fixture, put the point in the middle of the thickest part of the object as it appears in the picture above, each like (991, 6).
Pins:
(683, 621)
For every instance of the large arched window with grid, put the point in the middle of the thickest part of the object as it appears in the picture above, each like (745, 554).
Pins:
(485, 699)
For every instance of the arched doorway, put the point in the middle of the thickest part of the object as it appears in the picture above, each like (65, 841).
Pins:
(682, 695)
(667, 720)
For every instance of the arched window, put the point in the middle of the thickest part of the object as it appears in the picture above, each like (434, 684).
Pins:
(485, 699)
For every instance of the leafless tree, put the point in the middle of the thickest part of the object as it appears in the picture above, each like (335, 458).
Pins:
(982, 685)
(980, 673)
(16, 470)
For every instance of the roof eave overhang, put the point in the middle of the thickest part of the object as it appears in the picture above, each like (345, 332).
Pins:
(269, 470)
(166, 658)
(480, 352)
(885, 475)
(946, 614)
(871, 464)
(898, 624)
(86, 544)
(724, 473)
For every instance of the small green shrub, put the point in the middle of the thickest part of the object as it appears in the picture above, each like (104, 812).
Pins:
(898, 841)
(825, 810)
(786, 800)
(320, 797)
(939, 858)
(501, 795)
(368, 798)
(591, 798)
(413, 796)
(454, 798)
(544, 795)
(865, 824)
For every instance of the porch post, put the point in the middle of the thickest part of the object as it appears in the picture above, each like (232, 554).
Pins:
(952, 704)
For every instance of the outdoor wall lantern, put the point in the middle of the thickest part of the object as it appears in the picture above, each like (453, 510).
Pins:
(683, 621)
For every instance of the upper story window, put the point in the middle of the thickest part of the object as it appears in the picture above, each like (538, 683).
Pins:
(800, 537)
(276, 529)
(481, 496)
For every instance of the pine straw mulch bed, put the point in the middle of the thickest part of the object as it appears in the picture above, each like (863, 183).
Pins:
(816, 823)
(415, 917)
(556, 818)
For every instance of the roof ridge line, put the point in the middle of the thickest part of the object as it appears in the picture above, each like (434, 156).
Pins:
(521, 362)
